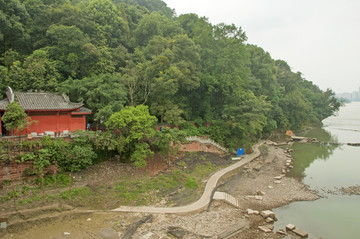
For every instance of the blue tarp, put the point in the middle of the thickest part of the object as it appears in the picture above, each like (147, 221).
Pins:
(240, 152)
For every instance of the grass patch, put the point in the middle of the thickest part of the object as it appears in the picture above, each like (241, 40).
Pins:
(143, 191)
(76, 193)
(191, 183)
(62, 180)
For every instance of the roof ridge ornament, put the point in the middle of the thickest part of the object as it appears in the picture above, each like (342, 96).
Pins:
(66, 98)
(10, 94)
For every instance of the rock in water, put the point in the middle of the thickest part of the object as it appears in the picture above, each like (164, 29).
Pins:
(300, 232)
(290, 227)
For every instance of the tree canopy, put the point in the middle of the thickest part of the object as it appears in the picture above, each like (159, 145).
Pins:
(112, 54)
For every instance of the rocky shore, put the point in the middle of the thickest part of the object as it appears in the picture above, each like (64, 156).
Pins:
(260, 185)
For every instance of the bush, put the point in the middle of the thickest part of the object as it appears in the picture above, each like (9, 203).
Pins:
(191, 183)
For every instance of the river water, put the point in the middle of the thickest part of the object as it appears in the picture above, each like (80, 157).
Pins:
(326, 168)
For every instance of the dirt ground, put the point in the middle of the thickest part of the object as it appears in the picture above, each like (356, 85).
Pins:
(255, 179)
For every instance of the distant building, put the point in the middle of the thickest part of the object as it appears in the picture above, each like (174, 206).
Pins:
(54, 113)
(354, 96)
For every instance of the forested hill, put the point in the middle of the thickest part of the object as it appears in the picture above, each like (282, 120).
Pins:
(110, 54)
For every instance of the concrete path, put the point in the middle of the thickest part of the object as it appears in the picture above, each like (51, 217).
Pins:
(204, 201)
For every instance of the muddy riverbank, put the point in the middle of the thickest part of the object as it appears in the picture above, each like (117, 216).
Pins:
(263, 178)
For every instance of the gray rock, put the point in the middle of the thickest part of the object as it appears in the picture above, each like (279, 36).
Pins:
(267, 213)
(290, 227)
(300, 232)
(265, 229)
(260, 193)
(108, 233)
(251, 212)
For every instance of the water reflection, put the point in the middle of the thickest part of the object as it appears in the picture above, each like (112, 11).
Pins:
(306, 153)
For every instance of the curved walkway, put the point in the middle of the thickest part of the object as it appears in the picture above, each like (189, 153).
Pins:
(204, 201)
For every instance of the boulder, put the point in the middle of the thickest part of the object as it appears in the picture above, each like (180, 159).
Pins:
(267, 213)
(290, 227)
(269, 220)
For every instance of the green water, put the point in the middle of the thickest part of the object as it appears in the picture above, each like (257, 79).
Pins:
(325, 168)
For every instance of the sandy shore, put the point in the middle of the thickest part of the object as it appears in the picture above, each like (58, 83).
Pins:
(259, 178)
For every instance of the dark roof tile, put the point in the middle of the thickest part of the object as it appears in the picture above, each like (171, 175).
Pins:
(41, 101)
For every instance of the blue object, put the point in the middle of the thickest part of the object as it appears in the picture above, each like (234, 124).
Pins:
(240, 152)
(3, 225)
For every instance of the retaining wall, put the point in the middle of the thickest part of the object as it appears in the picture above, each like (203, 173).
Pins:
(15, 171)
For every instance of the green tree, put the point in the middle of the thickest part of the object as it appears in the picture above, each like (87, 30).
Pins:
(132, 128)
(110, 26)
(15, 119)
(153, 25)
(13, 20)
(103, 94)
(173, 70)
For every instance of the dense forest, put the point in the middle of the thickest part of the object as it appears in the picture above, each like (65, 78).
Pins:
(188, 72)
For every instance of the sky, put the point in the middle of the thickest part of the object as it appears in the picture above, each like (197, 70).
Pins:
(319, 38)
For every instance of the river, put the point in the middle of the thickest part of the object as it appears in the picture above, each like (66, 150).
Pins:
(326, 168)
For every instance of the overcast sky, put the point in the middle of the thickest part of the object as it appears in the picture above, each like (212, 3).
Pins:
(320, 38)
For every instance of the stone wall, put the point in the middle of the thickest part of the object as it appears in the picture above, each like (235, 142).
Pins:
(195, 146)
(15, 171)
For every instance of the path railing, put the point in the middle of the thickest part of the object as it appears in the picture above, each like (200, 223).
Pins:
(207, 141)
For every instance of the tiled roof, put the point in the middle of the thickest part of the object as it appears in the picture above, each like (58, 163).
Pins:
(41, 101)
(82, 110)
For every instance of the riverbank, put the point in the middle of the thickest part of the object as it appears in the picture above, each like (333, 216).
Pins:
(261, 176)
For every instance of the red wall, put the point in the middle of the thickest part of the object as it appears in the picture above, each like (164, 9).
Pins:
(56, 122)
(77, 122)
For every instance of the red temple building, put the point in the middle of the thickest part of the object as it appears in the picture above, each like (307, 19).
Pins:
(53, 113)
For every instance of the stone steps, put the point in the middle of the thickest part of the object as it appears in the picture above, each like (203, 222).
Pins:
(226, 198)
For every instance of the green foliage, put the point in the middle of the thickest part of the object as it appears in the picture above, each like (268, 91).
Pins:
(167, 135)
(15, 118)
(191, 183)
(76, 193)
(132, 127)
(103, 94)
(113, 54)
